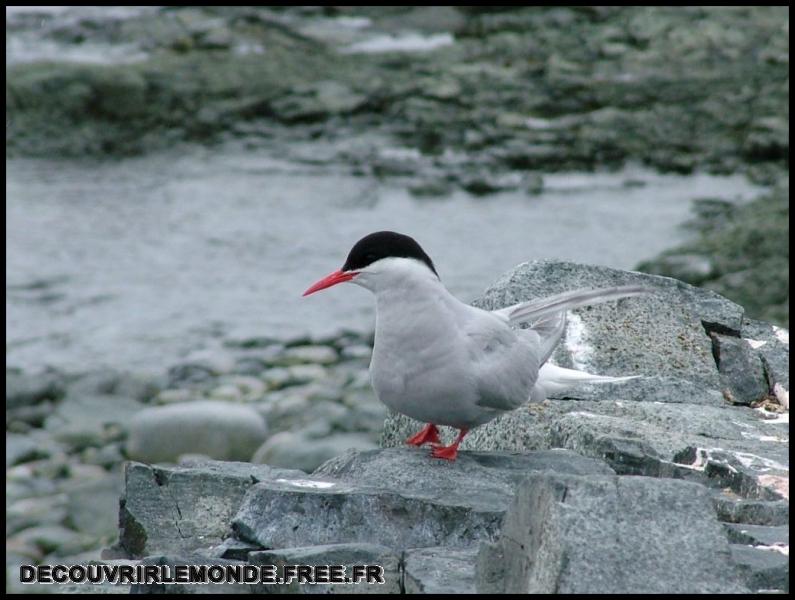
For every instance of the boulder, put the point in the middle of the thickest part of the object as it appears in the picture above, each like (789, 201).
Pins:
(294, 450)
(220, 430)
(179, 509)
(555, 539)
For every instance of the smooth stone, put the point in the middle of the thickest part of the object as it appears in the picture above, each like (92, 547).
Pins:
(218, 429)
(298, 451)
(322, 355)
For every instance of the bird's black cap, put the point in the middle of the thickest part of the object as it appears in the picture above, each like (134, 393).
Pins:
(385, 244)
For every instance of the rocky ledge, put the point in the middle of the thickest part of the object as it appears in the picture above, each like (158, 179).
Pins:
(673, 482)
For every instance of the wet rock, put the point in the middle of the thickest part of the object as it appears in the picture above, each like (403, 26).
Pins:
(217, 429)
(553, 540)
(333, 554)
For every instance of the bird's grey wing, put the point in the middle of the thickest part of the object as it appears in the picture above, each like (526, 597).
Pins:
(504, 362)
(535, 309)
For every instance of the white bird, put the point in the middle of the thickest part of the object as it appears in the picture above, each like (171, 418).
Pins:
(444, 362)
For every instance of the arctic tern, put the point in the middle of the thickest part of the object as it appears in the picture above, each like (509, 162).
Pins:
(444, 362)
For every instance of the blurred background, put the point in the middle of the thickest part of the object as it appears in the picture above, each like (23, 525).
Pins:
(177, 176)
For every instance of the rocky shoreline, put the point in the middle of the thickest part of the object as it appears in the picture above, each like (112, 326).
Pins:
(694, 455)
(479, 99)
(677, 89)
(69, 435)
(437, 99)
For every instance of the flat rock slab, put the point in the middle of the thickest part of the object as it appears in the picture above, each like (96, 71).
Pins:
(401, 498)
(607, 534)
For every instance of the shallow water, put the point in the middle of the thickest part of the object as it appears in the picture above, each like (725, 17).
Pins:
(136, 263)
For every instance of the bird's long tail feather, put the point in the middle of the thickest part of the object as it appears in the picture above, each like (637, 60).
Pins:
(537, 309)
(553, 379)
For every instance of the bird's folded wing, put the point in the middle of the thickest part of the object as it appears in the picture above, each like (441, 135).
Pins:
(536, 309)
(504, 362)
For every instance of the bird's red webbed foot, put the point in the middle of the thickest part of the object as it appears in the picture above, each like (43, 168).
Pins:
(429, 434)
(449, 452)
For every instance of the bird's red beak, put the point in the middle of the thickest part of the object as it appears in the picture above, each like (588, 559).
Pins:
(329, 280)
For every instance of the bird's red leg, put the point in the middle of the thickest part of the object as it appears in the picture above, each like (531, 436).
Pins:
(449, 452)
(429, 434)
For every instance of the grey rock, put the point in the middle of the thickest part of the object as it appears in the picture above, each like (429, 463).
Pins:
(54, 539)
(723, 446)
(554, 539)
(273, 515)
(92, 420)
(771, 343)
(372, 497)
(657, 335)
(741, 369)
(139, 386)
(758, 535)
(179, 509)
(347, 555)
(296, 450)
(440, 570)
(220, 430)
(755, 512)
(762, 569)
(23, 389)
(493, 474)
(20, 448)
(93, 506)
(297, 355)
(30, 512)
(670, 390)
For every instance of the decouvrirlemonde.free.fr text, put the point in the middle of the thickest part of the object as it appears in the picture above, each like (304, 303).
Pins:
(192, 574)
